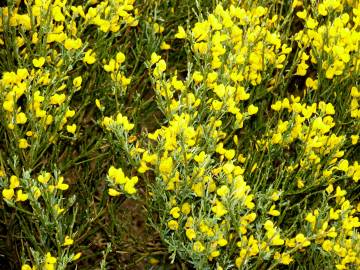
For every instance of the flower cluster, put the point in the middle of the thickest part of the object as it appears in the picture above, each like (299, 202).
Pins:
(118, 180)
(32, 112)
(114, 66)
(46, 84)
(46, 183)
(331, 38)
(333, 229)
(212, 181)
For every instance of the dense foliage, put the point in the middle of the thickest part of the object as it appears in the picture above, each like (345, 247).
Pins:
(153, 134)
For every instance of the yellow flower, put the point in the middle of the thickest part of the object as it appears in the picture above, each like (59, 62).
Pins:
(40, 113)
(197, 77)
(120, 58)
(273, 211)
(275, 196)
(300, 183)
(217, 105)
(70, 113)
(334, 214)
(214, 254)
(250, 217)
(104, 25)
(222, 191)
(241, 158)
(268, 225)
(177, 84)
(277, 255)
(354, 92)
(185, 208)
(129, 185)
(165, 46)
(38, 62)
(301, 69)
(330, 188)
(198, 247)
(277, 241)
(310, 218)
(200, 157)
(354, 139)
(14, 181)
(125, 81)
(113, 192)
(58, 209)
(57, 14)
(21, 118)
(71, 44)
(340, 192)
(68, 241)
(89, 57)
(111, 66)
(276, 138)
(311, 23)
(159, 68)
(117, 174)
(260, 11)
(8, 193)
(44, 178)
(57, 99)
(154, 58)
(301, 239)
(322, 9)
(327, 245)
(20, 196)
(175, 212)
(285, 259)
(50, 262)
(198, 189)
(329, 109)
(166, 166)
(36, 192)
(219, 209)
(27, 267)
(230, 154)
(242, 94)
(222, 242)
(8, 105)
(343, 165)
(252, 109)
(158, 28)
(30, 133)
(76, 256)
(302, 14)
(310, 83)
(23, 144)
(190, 234)
(173, 225)
(71, 128)
(60, 185)
(77, 82)
(98, 104)
(181, 34)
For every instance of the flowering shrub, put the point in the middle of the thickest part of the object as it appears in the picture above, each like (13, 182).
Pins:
(243, 194)
(231, 127)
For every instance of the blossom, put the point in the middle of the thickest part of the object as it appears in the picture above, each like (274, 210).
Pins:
(181, 34)
(38, 62)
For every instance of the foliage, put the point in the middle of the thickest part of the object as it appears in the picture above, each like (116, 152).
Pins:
(231, 128)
